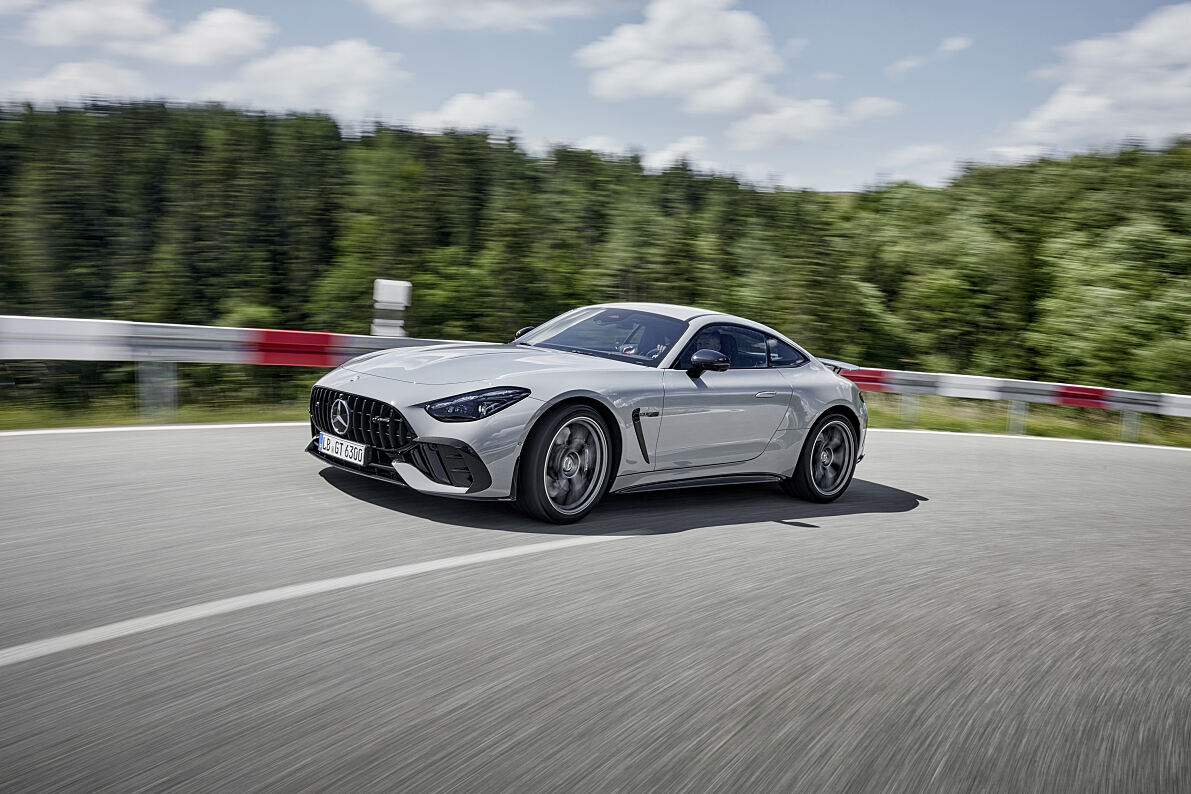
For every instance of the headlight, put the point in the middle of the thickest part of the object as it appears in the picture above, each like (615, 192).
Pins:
(475, 405)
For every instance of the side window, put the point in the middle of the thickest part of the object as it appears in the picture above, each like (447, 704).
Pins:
(746, 349)
(783, 355)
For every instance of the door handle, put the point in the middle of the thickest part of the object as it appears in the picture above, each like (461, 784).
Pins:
(763, 394)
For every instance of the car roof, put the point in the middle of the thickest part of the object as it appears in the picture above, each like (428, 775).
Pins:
(685, 313)
(688, 313)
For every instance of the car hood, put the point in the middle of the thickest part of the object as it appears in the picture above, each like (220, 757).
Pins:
(444, 364)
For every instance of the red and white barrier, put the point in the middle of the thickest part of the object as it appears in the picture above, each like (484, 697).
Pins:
(45, 338)
(975, 387)
(52, 338)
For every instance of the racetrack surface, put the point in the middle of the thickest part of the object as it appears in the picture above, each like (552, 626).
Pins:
(975, 614)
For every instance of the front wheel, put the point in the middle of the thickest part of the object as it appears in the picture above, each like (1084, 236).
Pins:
(826, 463)
(565, 466)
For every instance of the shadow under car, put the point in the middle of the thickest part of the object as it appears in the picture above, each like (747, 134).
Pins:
(651, 513)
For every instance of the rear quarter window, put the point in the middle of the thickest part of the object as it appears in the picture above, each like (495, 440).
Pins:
(783, 355)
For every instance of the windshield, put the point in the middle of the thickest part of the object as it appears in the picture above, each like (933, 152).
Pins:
(621, 334)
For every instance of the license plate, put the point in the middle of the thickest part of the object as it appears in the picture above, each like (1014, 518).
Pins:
(342, 449)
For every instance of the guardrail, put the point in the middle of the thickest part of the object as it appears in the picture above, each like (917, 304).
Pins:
(53, 338)
(975, 387)
(1019, 394)
(159, 347)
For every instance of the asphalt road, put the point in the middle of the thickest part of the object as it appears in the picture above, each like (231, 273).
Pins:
(976, 614)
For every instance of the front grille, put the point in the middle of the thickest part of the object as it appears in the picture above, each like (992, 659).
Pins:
(371, 422)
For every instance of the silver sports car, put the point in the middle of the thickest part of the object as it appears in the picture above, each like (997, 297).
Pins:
(618, 397)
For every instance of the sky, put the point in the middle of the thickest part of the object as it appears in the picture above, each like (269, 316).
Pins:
(830, 96)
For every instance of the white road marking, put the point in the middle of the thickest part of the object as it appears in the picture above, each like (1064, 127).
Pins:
(961, 434)
(55, 431)
(173, 617)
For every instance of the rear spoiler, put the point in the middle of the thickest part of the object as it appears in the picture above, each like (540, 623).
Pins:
(836, 366)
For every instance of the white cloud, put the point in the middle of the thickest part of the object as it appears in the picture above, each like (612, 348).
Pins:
(82, 80)
(872, 107)
(899, 68)
(760, 174)
(954, 44)
(343, 78)
(474, 14)
(215, 35)
(706, 53)
(794, 47)
(534, 147)
(687, 148)
(927, 164)
(16, 6)
(797, 120)
(946, 48)
(1017, 154)
(1133, 83)
(804, 119)
(79, 22)
(599, 143)
(909, 155)
(732, 95)
(475, 111)
(132, 27)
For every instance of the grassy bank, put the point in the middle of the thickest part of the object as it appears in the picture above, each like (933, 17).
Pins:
(992, 416)
(115, 414)
(885, 410)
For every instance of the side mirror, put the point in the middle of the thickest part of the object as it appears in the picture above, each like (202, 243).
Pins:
(523, 332)
(713, 360)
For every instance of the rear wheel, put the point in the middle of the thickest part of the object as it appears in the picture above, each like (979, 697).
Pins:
(565, 466)
(827, 462)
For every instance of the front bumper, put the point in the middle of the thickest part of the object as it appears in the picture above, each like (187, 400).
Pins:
(376, 472)
(477, 460)
(437, 466)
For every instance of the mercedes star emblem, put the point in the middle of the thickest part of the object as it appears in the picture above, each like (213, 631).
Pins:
(340, 414)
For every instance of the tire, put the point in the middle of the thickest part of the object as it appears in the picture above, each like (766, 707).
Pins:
(565, 466)
(826, 463)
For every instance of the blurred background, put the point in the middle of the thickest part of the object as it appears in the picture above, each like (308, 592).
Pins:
(903, 194)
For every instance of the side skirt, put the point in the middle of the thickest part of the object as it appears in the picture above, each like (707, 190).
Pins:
(701, 482)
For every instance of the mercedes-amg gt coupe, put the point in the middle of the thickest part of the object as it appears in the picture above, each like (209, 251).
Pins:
(620, 397)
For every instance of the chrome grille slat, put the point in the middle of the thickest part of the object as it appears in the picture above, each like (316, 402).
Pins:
(357, 418)
(326, 409)
(373, 414)
(366, 421)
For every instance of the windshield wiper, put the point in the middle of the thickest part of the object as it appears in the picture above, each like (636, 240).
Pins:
(584, 352)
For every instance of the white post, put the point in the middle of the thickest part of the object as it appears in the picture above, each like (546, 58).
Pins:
(390, 300)
(909, 407)
(156, 388)
(1018, 413)
(1130, 425)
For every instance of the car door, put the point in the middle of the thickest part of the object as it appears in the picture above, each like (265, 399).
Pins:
(721, 417)
(791, 363)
